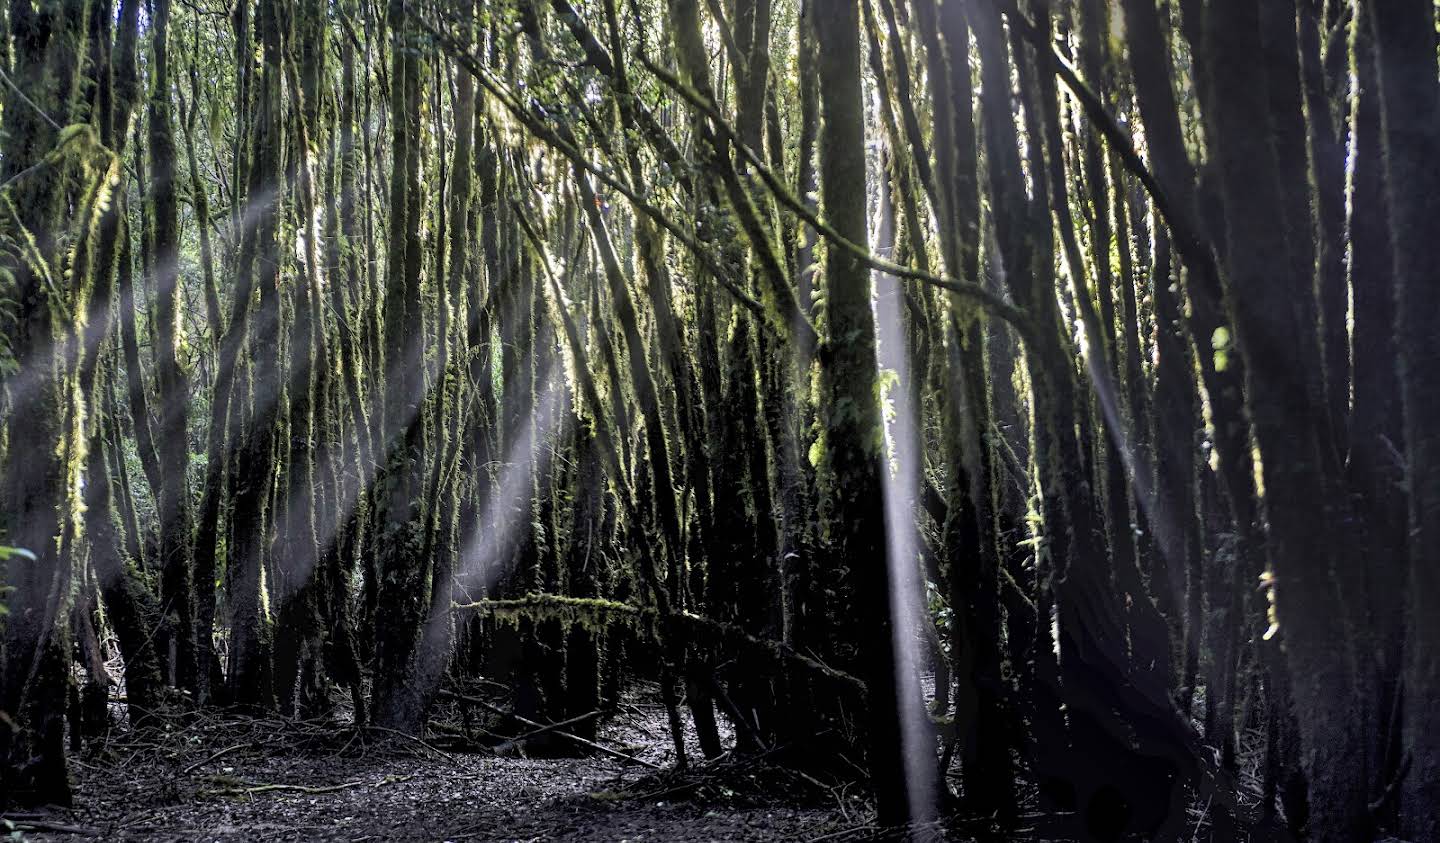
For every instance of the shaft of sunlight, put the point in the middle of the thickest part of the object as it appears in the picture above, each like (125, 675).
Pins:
(1138, 467)
(331, 456)
(484, 553)
(901, 484)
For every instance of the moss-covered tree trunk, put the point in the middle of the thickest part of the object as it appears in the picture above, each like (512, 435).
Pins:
(1277, 342)
(172, 383)
(36, 481)
(1410, 106)
(249, 679)
(129, 603)
(970, 531)
(301, 501)
(401, 603)
(850, 415)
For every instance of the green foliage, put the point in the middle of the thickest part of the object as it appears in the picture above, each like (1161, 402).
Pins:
(1222, 343)
(885, 383)
(593, 614)
(816, 454)
(6, 554)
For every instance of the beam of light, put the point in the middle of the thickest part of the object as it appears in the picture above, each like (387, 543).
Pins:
(332, 456)
(1118, 434)
(263, 326)
(249, 216)
(484, 552)
(1137, 464)
(1139, 468)
(901, 483)
(1164, 524)
(23, 386)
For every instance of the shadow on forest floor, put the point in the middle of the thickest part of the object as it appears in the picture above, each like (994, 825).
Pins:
(214, 776)
(230, 778)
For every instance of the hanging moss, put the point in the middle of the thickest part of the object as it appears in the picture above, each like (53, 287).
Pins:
(592, 614)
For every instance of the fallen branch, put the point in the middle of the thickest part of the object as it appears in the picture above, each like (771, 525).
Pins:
(575, 608)
(442, 753)
(37, 825)
(226, 751)
(554, 727)
(244, 789)
(866, 828)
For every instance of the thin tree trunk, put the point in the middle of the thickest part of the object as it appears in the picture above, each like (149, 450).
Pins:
(1375, 470)
(171, 382)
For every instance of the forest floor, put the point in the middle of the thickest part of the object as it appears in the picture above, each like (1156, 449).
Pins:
(224, 777)
(231, 778)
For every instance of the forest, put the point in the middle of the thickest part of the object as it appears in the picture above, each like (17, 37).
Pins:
(846, 419)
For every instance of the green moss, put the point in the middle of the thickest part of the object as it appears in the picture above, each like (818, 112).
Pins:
(592, 614)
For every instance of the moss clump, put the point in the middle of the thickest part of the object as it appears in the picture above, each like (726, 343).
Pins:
(592, 614)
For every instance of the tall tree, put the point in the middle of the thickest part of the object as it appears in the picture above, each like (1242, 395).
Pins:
(171, 381)
(40, 171)
(854, 436)
(1287, 423)
(1410, 108)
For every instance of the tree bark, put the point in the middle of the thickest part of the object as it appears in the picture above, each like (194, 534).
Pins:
(850, 414)
(1410, 105)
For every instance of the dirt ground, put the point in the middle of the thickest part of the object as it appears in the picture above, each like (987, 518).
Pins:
(224, 777)
(228, 778)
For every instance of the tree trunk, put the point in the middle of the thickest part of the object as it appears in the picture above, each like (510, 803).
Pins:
(851, 417)
(36, 482)
(1273, 336)
(1410, 105)
(171, 382)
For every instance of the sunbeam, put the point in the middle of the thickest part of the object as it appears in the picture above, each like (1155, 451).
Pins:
(901, 485)
(351, 488)
(483, 554)
(390, 389)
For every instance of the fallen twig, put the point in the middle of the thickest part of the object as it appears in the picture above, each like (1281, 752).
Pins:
(553, 727)
(844, 832)
(401, 734)
(226, 751)
(494, 709)
(252, 789)
(53, 828)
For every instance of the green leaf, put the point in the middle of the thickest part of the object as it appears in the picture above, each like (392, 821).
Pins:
(1221, 341)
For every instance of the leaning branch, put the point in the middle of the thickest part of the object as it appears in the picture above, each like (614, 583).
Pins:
(553, 728)
(1194, 247)
(551, 138)
(970, 289)
(590, 609)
